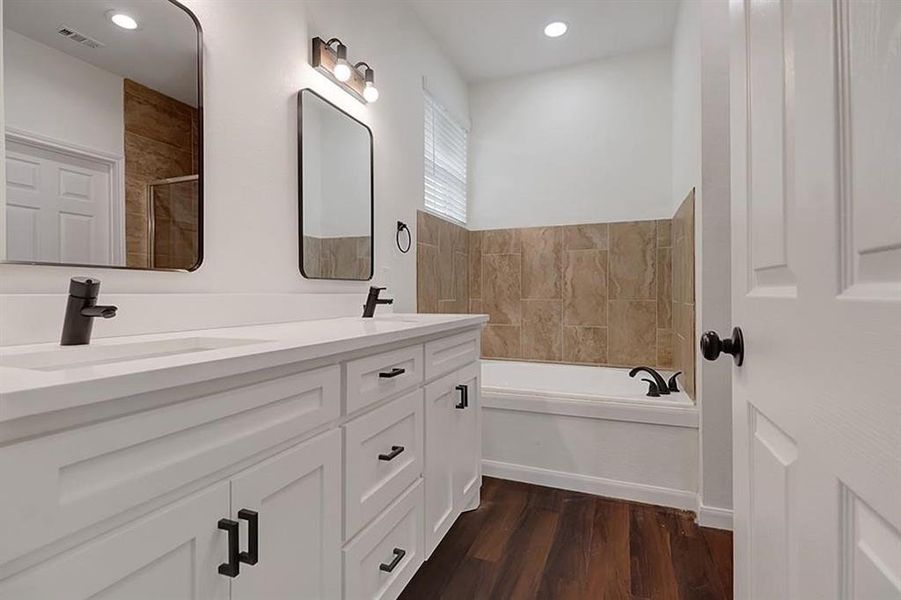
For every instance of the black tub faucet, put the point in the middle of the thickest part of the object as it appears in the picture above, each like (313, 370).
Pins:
(662, 386)
(81, 310)
(372, 300)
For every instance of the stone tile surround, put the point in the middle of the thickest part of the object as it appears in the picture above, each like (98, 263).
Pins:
(594, 294)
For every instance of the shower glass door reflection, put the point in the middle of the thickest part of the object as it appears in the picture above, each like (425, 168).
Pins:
(173, 222)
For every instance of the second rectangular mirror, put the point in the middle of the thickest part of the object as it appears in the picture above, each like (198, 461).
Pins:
(336, 195)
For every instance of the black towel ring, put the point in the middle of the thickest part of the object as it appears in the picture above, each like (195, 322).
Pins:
(401, 226)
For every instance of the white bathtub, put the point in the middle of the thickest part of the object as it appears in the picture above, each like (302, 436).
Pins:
(574, 381)
(589, 429)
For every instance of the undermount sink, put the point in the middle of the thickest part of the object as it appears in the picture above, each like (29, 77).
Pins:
(75, 357)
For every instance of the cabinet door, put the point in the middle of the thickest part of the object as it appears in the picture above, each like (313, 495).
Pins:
(453, 450)
(171, 553)
(297, 497)
(467, 456)
(440, 399)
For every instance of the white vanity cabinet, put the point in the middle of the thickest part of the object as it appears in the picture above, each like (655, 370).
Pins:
(334, 476)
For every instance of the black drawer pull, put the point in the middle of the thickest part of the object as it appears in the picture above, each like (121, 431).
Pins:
(252, 556)
(464, 396)
(392, 373)
(232, 567)
(395, 450)
(398, 556)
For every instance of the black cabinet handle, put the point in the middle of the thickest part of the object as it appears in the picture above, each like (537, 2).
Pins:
(232, 567)
(252, 556)
(398, 556)
(395, 450)
(392, 373)
(464, 396)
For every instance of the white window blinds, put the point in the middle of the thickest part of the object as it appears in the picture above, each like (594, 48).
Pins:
(445, 162)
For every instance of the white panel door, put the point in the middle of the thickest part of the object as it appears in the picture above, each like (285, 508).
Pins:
(816, 218)
(297, 498)
(58, 207)
(172, 553)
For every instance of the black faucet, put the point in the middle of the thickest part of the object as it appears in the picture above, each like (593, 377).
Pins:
(662, 386)
(372, 300)
(81, 310)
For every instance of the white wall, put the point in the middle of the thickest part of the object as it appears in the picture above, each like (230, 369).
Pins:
(584, 144)
(56, 96)
(686, 107)
(701, 160)
(256, 59)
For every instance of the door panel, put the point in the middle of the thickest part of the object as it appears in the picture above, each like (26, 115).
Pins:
(772, 455)
(816, 188)
(172, 553)
(63, 201)
(297, 495)
(871, 552)
(870, 76)
(770, 130)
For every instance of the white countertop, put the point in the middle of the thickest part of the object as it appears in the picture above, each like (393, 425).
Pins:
(26, 391)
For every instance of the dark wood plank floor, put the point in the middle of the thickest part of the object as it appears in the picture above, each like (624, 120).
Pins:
(527, 541)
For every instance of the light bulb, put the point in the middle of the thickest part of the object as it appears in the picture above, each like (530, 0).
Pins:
(555, 29)
(123, 20)
(342, 71)
(370, 92)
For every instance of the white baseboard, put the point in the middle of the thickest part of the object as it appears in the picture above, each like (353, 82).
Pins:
(636, 492)
(718, 518)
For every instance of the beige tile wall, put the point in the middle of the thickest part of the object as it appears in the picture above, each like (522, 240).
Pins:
(442, 265)
(161, 142)
(348, 257)
(585, 294)
(597, 294)
(683, 292)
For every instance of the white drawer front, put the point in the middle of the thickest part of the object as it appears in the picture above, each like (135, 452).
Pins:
(384, 450)
(373, 378)
(398, 529)
(56, 485)
(444, 355)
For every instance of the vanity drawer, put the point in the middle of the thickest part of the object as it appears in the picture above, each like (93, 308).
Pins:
(450, 353)
(56, 485)
(379, 376)
(384, 450)
(386, 555)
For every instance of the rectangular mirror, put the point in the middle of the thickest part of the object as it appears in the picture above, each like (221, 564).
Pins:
(103, 134)
(336, 198)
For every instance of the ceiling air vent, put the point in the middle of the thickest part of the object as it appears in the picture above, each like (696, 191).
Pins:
(68, 32)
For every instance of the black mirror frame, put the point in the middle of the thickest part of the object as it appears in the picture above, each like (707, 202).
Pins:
(300, 187)
(200, 176)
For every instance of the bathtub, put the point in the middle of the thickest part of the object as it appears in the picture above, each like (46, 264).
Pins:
(588, 429)
(575, 382)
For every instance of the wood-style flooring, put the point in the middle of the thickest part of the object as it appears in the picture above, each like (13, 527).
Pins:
(527, 541)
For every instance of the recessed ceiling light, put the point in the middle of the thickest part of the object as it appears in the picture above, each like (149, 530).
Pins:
(122, 20)
(555, 29)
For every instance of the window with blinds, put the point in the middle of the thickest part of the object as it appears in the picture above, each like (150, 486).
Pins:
(445, 162)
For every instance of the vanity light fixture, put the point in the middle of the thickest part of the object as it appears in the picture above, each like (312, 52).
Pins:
(330, 59)
(370, 92)
(555, 29)
(122, 20)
